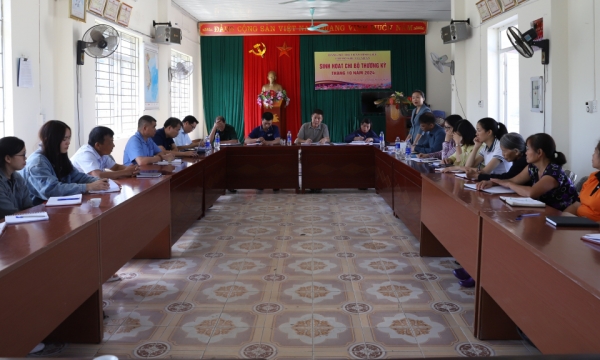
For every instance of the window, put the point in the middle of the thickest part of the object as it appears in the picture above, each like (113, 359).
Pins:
(117, 88)
(508, 62)
(2, 129)
(181, 89)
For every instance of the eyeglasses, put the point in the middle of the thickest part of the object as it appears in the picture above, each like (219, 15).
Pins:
(448, 127)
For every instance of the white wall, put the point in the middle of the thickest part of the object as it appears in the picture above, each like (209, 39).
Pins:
(438, 84)
(42, 31)
(569, 76)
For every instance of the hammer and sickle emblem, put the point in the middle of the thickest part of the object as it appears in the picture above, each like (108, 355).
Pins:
(259, 52)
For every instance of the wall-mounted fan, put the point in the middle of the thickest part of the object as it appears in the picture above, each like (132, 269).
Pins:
(312, 1)
(524, 43)
(98, 42)
(440, 61)
(181, 70)
(314, 27)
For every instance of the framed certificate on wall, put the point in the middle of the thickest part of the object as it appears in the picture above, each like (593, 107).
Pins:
(483, 10)
(494, 7)
(124, 14)
(111, 11)
(77, 10)
(508, 4)
(97, 6)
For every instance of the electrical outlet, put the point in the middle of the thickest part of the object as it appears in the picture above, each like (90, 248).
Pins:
(480, 103)
(591, 106)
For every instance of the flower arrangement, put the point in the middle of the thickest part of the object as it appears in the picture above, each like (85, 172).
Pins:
(267, 98)
(402, 103)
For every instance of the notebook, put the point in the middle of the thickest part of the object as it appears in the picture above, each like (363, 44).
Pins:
(522, 201)
(571, 221)
(165, 162)
(452, 171)
(24, 218)
(64, 200)
(463, 175)
(2, 227)
(149, 174)
(113, 187)
(593, 238)
(492, 190)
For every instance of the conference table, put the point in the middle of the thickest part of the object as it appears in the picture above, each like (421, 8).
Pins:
(53, 271)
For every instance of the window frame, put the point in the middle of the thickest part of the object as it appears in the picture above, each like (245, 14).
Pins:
(502, 71)
(176, 108)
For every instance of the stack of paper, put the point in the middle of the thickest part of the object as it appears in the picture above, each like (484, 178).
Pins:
(23, 218)
(113, 187)
(64, 200)
(165, 162)
(492, 190)
(522, 201)
(593, 238)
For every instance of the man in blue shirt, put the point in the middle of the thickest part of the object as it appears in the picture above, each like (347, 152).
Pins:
(164, 138)
(140, 148)
(266, 134)
(182, 140)
(364, 133)
(433, 137)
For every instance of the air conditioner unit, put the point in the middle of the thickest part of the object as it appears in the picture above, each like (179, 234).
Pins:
(456, 31)
(165, 34)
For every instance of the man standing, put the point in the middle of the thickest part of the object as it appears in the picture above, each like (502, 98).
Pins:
(140, 148)
(266, 134)
(182, 140)
(163, 138)
(314, 131)
(226, 132)
(433, 138)
(93, 159)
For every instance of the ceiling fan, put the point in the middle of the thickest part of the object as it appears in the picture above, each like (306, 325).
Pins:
(312, 26)
(293, 1)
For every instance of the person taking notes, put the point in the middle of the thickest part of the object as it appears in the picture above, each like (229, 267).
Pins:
(265, 134)
(448, 146)
(182, 140)
(487, 150)
(164, 138)
(588, 204)
(14, 195)
(513, 151)
(364, 133)
(141, 149)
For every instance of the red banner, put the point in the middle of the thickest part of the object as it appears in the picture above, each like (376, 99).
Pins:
(299, 28)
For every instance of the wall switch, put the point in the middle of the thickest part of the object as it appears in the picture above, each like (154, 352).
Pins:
(591, 106)
(480, 103)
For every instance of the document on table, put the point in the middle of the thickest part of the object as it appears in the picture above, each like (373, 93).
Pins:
(522, 201)
(112, 187)
(463, 175)
(24, 218)
(64, 200)
(593, 238)
(452, 171)
(165, 162)
(492, 190)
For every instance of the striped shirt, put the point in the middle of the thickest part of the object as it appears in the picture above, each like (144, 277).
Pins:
(494, 152)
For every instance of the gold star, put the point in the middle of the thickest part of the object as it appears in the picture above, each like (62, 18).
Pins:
(283, 50)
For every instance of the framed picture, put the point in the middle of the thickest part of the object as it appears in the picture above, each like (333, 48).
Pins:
(483, 10)
(537, 94)
(494, 7)
(77, 10)
(124, 14)
(96, 6)
(111, 11)
(150, 76)
(508, 4)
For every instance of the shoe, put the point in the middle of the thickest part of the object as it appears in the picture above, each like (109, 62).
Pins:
(468, 283)
(37, 348)
(233, 191)
(461, 274)
(114, 278)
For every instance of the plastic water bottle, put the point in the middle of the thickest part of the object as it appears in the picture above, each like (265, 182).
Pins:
(381, 141)
(408, 150)
(397, 144)
(217, 142)
(207, 145)
(289, 138)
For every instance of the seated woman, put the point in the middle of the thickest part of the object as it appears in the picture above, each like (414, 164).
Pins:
(448, 146)
(589, 198)
(487, 150)
(553, 187)
(463, 137)
(49, 171)
(364, 133)
(513, 150)
(14, 195)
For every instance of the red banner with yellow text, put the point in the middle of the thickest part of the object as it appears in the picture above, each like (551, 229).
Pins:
(300, 28)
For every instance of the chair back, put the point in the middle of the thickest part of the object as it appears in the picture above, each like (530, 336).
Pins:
(439, 114)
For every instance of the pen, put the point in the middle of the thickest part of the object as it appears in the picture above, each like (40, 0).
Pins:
(29, 216)
(527, 215)
(67, 199)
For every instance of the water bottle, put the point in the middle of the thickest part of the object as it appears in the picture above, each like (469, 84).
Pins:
(217, 142)
(408, 150)
(397, 144)
(381, 141)
(207, 145)
(289, 138)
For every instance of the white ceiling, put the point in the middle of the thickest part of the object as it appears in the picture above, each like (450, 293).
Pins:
(256, 10)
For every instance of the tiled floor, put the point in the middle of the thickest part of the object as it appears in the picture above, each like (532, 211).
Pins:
(331, 275)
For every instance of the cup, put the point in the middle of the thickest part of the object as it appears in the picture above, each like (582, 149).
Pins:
(95, 202)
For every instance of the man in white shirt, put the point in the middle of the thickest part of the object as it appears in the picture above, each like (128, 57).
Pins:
(183, 140)
(93, 158)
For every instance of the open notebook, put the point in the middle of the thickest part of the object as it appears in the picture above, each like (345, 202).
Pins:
(64, 200)
(492, 190)
(522, 201)
(24, 218)
(113, 187)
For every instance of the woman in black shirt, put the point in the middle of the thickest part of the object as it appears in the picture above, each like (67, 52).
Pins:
(513, 150)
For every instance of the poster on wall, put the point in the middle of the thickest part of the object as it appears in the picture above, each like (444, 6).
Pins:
(150, 76)
(350, 70)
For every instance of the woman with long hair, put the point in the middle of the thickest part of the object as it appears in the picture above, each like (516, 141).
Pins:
(463, 136)
(14, 195)
(49, 171)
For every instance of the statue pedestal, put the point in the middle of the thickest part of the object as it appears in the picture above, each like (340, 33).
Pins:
(278, 111)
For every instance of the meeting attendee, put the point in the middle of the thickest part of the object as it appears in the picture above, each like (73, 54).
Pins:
(182, 140)
(314, 131)
(487, 150)
(421, 107)
(164, 138)
(227, 134)
(433, 135)
(364, 133)
(588, 204)
(49, 172)
(94, 157)
(266, 133)
(448, 146)
(463, 138)
(141, 149)
(552, 187)
(14, 195)
(513, 151)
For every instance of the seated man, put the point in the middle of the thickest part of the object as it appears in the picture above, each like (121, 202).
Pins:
(140, 148)
(163, 138)
(314, 131)
(182, 140)
(93, 158)
(364, 133)
(266, 134)
(433, 136)
(226, 132)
